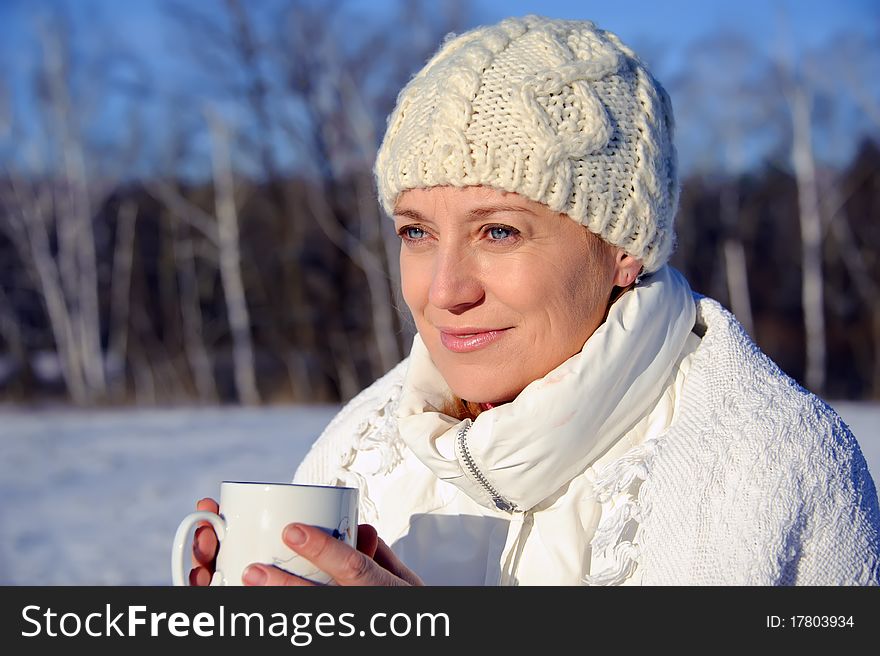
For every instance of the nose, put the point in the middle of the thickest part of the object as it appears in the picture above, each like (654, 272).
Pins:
(456, 283)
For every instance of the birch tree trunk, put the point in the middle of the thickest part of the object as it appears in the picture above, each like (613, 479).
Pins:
(30, 233)
(364, 249)
(812, 295)
(736, 271)
(251, 51)
(383, 275)
(76, 238)
(120, 292)
(191, 313)
(230, 265)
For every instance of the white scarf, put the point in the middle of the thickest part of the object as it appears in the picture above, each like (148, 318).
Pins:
(527, 449)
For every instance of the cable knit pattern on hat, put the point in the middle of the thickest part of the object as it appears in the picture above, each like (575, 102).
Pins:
(558, 111)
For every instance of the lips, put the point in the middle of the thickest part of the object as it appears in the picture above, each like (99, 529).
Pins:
(466, 340)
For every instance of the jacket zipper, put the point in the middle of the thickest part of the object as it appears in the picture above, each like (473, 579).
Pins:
(500, 502)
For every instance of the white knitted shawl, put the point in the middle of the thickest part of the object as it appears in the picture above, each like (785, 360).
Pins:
(758, 482)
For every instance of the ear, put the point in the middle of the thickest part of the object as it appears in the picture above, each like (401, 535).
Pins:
(626, 268)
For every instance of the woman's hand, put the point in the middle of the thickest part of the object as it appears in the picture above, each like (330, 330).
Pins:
(372, 563)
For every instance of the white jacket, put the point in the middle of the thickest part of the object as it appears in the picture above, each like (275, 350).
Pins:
(737, 477)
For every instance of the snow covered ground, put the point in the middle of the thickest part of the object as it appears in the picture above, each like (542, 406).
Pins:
(94, 498)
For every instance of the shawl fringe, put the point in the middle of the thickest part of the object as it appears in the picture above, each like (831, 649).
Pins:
(618, 487)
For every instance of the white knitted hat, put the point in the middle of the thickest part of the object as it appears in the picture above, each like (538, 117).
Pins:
(558, 111)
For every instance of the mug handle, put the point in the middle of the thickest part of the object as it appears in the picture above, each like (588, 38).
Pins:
(178, 572)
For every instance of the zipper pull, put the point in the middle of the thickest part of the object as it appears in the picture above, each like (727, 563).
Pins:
(504, 505)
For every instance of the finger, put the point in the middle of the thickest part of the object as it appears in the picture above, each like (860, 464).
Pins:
(371, 544)
(199, 576)
(367, 540)
(345, 565)
(207, 504)
(204, 549)
(259, 574)
(389, 560)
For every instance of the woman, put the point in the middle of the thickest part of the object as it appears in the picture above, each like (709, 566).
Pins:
(570, 412)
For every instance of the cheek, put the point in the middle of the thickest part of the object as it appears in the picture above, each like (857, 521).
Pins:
(546, 286)
(414, 284)
(570, 296)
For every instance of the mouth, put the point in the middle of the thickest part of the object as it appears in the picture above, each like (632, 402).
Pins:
(466, 340)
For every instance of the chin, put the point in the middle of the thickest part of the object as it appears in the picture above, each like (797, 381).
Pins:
(477, 391)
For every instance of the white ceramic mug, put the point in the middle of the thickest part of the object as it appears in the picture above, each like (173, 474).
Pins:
(252, 517)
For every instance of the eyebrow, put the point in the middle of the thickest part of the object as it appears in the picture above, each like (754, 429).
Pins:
(476, 213)
(410, 214)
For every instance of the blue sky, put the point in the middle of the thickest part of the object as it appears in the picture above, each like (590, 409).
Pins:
(670, 23)
(660, 30)
(683, 20)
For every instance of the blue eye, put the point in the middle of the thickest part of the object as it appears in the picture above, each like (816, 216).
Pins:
(501, 233)
(413, 233)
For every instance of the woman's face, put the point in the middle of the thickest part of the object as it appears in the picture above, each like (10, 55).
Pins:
(501, 288)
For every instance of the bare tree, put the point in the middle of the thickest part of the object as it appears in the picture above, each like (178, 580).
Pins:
(191, 312)
(53, 200)
(230, 263)
(799, 97)
(811, 234)
(77, 259)
(223, 235)
(730, 108)
(120, 293)
(317, 95)
(228, 45)
(328, 77)
(27, 213)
